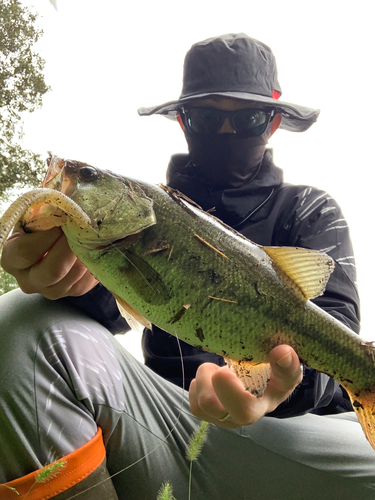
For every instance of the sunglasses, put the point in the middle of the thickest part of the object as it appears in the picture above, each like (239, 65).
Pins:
(246, 122)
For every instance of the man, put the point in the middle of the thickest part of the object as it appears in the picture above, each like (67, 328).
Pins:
(71, 378)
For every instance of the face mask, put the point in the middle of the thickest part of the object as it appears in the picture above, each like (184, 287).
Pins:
(225, 160)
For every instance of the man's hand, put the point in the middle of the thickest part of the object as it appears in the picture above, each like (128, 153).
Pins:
(217, 392)
(42, 262)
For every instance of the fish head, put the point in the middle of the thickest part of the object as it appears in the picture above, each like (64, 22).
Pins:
(117, 206)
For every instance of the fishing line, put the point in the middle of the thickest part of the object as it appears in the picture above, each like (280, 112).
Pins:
(163, 441)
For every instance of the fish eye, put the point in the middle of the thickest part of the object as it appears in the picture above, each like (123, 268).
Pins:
(88, 174)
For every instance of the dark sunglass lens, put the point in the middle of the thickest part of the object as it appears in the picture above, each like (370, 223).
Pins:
(250, 121)
(204, 120)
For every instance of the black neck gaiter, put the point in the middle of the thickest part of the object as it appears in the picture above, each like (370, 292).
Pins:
(232, 205)
(225, 160)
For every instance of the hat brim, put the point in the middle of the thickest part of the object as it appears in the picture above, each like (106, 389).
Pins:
(295, 118)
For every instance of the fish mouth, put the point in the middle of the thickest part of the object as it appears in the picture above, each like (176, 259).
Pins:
(123, 242)
(56, 177)
(55, 166)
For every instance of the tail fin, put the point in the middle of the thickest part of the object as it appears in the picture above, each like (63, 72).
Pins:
(364, 406)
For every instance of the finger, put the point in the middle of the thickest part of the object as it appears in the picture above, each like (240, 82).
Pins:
(51, 269)
(243, 407)
(198, 412)
(286, 374)
(204, 403)
(22, 250)
(86, 283)
(207, 401)
(77, 282)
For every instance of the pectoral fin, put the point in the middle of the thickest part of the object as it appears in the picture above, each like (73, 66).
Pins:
(135, 320)
(254, 377)
(145, 281)
(308, 269)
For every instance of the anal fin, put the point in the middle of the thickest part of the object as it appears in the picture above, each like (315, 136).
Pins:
(254, 377)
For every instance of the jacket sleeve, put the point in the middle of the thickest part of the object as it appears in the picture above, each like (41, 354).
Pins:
(314, 220)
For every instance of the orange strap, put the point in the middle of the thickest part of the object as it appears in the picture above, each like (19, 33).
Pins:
(78, 465)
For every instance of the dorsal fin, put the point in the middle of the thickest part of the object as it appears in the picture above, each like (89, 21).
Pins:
(135, 320)
(308, 269)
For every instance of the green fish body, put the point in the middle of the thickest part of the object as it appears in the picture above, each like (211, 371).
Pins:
(170, 264)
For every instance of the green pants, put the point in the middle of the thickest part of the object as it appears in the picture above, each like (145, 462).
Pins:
(63, 376)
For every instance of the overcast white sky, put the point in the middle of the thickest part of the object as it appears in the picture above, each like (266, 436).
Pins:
(106, 58)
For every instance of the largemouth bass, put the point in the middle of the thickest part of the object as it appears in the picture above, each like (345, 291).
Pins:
(170, 264)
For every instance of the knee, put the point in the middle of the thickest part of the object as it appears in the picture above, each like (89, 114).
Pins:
(24, 319)
(17, 312)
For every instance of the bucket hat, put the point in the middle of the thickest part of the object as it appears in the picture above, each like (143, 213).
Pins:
(235, 65)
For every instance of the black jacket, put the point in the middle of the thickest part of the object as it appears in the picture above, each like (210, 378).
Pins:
(268, 212)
